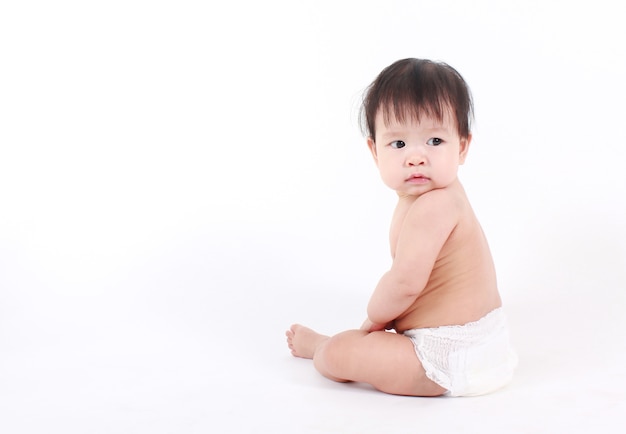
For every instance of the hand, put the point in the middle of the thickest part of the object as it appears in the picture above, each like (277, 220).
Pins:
(369, 326)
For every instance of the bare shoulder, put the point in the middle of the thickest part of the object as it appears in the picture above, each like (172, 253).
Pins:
(431, 218)
(442, 205)
(446, 197)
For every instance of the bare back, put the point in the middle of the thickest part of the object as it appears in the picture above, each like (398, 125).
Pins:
(462, 286)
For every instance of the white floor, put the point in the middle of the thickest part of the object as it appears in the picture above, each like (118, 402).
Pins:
(192, 341)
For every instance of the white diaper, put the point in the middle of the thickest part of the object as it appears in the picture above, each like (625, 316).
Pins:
(467, 360)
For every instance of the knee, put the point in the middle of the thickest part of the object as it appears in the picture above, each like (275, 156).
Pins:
(333, 358)
(326, 359)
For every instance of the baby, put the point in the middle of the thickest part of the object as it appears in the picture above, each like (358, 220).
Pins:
(434, 323)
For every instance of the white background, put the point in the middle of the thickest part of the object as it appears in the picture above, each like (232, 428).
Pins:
(179, 181)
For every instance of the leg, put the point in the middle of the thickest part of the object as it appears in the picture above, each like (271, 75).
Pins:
(385, 360)
(305, 343)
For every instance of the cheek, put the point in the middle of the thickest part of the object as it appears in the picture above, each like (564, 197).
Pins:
(387, 163)
(390, 174)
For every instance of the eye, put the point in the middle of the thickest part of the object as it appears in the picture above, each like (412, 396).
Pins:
(397, 144)
(434, 141)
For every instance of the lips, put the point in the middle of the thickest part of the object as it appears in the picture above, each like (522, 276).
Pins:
(417, 178)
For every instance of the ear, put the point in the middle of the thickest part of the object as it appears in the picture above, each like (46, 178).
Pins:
(372, 146)
(465, 144)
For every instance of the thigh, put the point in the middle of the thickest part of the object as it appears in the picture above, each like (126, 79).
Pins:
(385, 360)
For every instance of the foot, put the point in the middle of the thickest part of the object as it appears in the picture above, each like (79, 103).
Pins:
(303, 342)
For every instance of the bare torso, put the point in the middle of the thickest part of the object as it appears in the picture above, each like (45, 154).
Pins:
(462, 286)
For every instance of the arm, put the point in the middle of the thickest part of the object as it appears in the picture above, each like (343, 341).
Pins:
(425, 229)
(369, 326)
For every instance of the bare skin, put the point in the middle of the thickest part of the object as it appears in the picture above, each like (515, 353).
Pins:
(442, 271)
(392, 368)
(461, 285)
(306, 342)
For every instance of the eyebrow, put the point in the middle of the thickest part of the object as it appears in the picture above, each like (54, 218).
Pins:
(394, 134)
(402, 132)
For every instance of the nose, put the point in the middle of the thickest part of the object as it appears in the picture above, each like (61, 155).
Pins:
(416, 156)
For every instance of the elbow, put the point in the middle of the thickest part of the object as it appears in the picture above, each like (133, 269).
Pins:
(393, 296)
(407, 285)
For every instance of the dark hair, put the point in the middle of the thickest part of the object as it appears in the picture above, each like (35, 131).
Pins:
(418, 87)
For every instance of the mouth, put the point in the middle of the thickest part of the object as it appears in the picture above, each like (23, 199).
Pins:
(417, 179)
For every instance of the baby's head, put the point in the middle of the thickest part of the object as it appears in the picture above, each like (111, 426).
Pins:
(418, 88)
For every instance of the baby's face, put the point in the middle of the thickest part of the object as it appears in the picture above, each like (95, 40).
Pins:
(414, 157)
